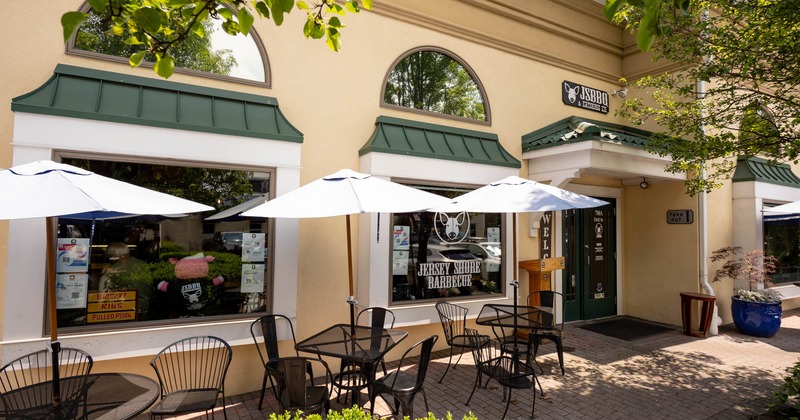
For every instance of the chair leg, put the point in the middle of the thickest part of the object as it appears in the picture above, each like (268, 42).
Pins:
(560, 349)
(508, 401)
(477, 379)
(533, 406)
(263, 391)
(450, 359)
(224, 411)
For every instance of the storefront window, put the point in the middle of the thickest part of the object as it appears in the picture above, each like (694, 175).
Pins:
(435, 81)
(438, 255)
(168, 267)
(782, 240)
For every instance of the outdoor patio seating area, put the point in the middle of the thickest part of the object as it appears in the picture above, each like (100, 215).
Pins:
(664, 375)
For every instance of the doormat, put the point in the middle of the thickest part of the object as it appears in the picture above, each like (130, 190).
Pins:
(627, 329)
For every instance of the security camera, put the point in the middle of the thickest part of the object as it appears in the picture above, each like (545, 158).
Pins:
(621, 93)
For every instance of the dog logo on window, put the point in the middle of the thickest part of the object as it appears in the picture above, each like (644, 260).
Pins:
(455, 227)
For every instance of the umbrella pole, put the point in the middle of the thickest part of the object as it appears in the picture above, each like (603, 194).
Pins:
(351, 299)
(515, 283)
(55, 346)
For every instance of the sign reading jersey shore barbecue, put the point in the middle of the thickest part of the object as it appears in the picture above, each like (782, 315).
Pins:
(584, 97)
(445, 275)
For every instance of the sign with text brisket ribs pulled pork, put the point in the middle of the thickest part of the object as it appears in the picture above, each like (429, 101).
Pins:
(584, 97)
(445, 275)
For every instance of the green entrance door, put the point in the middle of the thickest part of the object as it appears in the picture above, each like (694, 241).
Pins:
(590, 273)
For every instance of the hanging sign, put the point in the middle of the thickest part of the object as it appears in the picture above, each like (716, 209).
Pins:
(111, 306)
(584, 97)
(546, 235)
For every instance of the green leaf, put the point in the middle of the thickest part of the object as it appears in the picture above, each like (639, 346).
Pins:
(148, 19)
(176, 4)
(611, 8)
(98, 6)
(165, 66)
(333, 41)
(351, 6)
(313, 29)
(367, 4)
(70, 22)
(335, 8)
(246, 20)
(262, 9)
(286, 5)
(132, 41)
(226, 13)
(334, 22)
(302, 5)
(136, 58)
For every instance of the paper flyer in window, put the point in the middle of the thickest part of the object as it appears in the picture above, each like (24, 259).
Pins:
(71, 290)
(72, 255)
(253, 248)
(493, 234)
(399, 263)
(252, 278)
(402, 237)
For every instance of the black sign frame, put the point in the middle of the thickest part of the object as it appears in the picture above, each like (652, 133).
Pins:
(577, 95)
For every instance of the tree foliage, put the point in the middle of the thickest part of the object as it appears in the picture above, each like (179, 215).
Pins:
(433, 81)
(160, 25)
(746, 52)
(194, 53)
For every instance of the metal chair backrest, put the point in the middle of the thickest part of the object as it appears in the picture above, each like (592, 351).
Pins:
(267, 328)
(454, 320)
(426, 347)
(484, 350)
(294, 392)
(193, 363)
(552, 305)
(378, 317)
(18, 377)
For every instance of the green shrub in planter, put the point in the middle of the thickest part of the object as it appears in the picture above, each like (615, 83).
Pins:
(786, 402)
(355, 413)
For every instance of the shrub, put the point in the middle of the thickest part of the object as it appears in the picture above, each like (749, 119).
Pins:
(355, 413)
(786, 402)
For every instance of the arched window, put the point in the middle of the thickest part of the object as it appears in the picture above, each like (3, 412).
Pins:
(217, 55)
(433, 80)
(758, 131)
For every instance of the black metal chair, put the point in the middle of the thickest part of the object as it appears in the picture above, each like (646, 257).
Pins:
(454, 323)
(352, 377)
(403, 385)
(494, 362)
(267, 327)
(191, 374)
(294, 393)
(26, 383)
(552, 318)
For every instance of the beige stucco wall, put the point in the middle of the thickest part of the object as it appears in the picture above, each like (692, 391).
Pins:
(333, 98)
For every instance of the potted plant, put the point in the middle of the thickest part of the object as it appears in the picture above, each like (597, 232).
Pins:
(756, 311)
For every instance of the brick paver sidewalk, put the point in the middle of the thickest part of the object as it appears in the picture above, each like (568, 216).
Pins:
(663, 376)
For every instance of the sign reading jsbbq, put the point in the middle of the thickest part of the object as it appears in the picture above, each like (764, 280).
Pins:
(111, 306)
(584, 97)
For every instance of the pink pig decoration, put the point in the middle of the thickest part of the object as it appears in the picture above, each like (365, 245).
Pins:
(193, 267)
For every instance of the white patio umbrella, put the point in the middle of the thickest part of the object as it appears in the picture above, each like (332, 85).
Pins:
(517, 195)
(793, 207)
(344, 193)
(49, 189)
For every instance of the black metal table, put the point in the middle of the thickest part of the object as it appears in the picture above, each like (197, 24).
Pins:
(102, 396)
(516, 317)
(357, 344)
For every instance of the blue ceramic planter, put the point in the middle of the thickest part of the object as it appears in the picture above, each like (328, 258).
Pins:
(758, 319)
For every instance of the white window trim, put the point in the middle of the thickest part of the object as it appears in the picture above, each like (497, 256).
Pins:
(40, 137)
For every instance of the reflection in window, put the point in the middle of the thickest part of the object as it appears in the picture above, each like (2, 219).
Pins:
(758, 131)
(216, 53)
(151, 268)
(782, 240)
(436, 82)
(437, 255)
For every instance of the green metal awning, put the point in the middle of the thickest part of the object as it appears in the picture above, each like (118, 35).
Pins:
(761, 170)
(414, 138)
(576, 129)
(99, 95)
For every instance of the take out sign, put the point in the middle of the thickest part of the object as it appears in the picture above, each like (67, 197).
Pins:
(111, 306)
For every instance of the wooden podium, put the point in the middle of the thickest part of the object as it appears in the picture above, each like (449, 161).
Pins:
(540, 272)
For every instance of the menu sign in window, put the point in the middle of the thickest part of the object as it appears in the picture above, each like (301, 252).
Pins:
(111, 306)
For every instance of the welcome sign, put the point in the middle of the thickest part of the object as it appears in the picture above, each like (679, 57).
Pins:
(585, 97)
